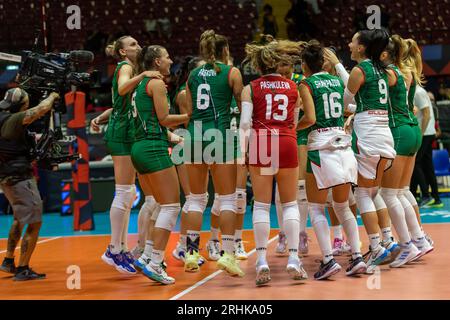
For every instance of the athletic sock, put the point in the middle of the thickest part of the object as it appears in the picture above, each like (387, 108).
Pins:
(238, 234)
(148, 248)
(337, 232)
(117, 218)
(214, 234)
(321, 229)
(387, 233)
(183, 241)
(374, 241)
(157, 257)
(228, 243)
(193, 240)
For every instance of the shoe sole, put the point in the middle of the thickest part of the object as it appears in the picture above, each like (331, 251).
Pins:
(157, 279)
(242, 257)
(421, 254)
(28, 279)
(263, 276)
(336, 268)
(295, 274)
(191, 267)
(107, 260)
(360, 268)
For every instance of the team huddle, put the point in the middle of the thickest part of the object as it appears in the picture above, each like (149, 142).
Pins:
(329, 138)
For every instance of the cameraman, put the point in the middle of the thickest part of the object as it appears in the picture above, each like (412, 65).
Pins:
(16, 178)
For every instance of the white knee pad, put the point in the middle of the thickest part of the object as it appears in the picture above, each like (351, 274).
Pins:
(364, 199)
(380, 202)
(389, 196)
(155, 213)
(408, 194)
(241, 201)
(185, 208)
(215, 210)
(317, 213)
(167, 218)
(227, 202)
(124, 196)
(198, 202)
(290, 211)
(261, 212)
(351, 198)
(342, 211)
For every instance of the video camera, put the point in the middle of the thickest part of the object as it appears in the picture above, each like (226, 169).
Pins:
(41, 74)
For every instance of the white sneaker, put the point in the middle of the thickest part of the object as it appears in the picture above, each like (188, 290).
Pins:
(407, 253)
(282, 243)
(376, 258)
(239, 250)
(295, 269)
(424, 246)
(430, 241)
(179, 252)
(157, 273)
(340, 247)
(213, 247)
(262, 274)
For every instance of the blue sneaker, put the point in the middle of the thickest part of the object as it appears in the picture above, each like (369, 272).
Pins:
(119, 261)
(139, 264)
(129, 257)
(376, 258)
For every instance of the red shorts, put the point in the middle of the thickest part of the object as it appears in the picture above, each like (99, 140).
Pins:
(273, 151)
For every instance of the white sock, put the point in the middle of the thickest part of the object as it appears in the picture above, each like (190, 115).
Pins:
(292, 226)
(348, 221)
(302, 205)
(397, 215)
(321, 229)
(238, 234)
(214, 234)
(386, 233)
(261, 228)
(337, 232)
(228, 243)
(183, 241)
(117, 217)
(148, 248)
(157, 257)
(374, 241)
(279, 209)
(411, 218)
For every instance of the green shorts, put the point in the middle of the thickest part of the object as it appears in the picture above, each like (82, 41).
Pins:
(119, 148)
(150, 156)
(313, 156)
(302, 137)
(213, 143)
(407, 139)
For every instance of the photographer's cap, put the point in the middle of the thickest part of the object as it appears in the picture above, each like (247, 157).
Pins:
(13, 97)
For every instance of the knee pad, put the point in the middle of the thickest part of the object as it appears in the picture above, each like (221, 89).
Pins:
(227, 202)
(389, 196)
(290, 211)
(409, 196)
(215, 210)
(261, 212)
(185, 208)
(363, 197)
(317, 213)
(150, 203)
(351, 198)
(198, 202)
(301, 191)
(124, 196)
(155, 213)
(241, 201)
(168, 215)
(404, 201)
(342, 211)
(379, 200)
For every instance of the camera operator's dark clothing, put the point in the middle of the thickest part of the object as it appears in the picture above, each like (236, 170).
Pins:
(15, 148)
(25, 201)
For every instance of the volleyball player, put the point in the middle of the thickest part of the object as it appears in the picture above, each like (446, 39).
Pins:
(150, 153)
(331, 163)
(119, 138)
(209, 91)
(269, 104)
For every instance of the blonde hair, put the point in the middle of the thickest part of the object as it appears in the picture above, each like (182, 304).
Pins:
(113, 49)
(396, 50)
(268, 57)
(211, 47)
(413, 60)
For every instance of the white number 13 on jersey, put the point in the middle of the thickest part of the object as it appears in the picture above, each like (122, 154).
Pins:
(283, 102)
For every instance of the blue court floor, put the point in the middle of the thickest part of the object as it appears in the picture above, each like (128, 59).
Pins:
(56, 225)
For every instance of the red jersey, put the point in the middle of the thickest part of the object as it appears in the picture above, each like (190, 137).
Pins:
(274, 100)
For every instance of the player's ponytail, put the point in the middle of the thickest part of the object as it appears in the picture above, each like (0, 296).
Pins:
(396, 50)
(211, 47)
(375, 42)
(413, 59)
(312, 55)
(113, 49)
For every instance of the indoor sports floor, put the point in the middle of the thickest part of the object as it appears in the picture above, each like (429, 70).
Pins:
(59, 247)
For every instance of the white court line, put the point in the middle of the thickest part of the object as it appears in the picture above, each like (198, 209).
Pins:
(211, 276)
(39, 242)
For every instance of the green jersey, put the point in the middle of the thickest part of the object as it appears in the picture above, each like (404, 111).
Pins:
(145, 118)
(399, 113)
(327, 92)
(373, 94)
(120, 125)
(235, 115)
(211, 93)
(411, 94)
